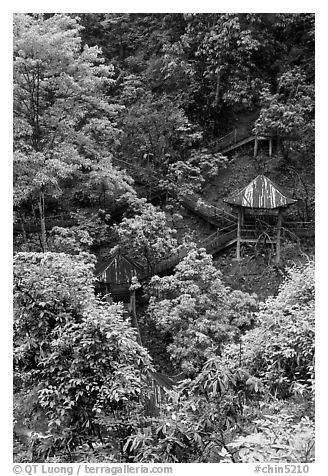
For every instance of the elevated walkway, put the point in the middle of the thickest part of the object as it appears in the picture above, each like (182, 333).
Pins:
(225, 237)
(33, 226)
(213, 244)
(239, 137)
(209, 213)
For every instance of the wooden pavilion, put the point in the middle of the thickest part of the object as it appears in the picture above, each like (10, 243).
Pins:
(260, 207)
(114, 277)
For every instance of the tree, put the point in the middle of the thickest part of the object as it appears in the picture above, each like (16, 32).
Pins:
(288, 116)
(64, 124)
(184, 177)
(80, 374)
(211, 65)
(200, 417)
(156, 131)
(152, 93)
(229, 43)
(226, 413)
(288, 112)
(214, 63)
(146, 235)
(221, 62)
(280, 351)
(199, 312)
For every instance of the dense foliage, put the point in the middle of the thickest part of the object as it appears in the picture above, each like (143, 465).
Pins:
(198, 311)
(255, 401)
(146, 236)
(117, 124)
(78, 367)
(153, 90)
(281, 349)
(64, 127)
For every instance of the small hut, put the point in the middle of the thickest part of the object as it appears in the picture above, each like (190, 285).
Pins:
(114, 277)
(260, 207)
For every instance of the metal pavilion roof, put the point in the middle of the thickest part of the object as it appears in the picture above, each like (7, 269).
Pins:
(260, 193)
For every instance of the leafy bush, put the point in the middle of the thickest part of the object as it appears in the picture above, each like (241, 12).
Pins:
(79, 372)
(146, 236)
(200, 313)
(280, 350)
(200, 417)
(277, 439)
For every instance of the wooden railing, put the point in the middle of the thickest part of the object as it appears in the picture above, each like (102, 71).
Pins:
(213, 243)
(240, 136)
(219, 239)
(299, 225)
(223, 237)
(33, 225)
(214, 215)
(219, 214)
(251, 232)
(170, 261)
(210, 213)
(233, 137)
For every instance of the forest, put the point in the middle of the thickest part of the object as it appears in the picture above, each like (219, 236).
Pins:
(158, 317)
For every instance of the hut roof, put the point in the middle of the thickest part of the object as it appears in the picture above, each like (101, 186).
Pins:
(163, 380)
(117, 270)
(260, 193)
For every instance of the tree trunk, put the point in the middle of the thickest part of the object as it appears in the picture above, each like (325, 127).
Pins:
(42, 222)
(217, 91)
(149, 261)
(23, 230)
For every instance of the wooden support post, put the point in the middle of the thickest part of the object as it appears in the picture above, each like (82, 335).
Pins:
(134, 320)
(279, 224)
(270, 147)
(239, 233)
(108, 296)
(256, 143)
(24, 231)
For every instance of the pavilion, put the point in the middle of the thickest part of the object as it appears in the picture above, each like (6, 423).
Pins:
(260, 205)
(114, 278)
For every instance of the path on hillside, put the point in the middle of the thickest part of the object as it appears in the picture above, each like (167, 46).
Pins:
(239, 137)
(149, 187)
(213, 244)
(225, 237)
